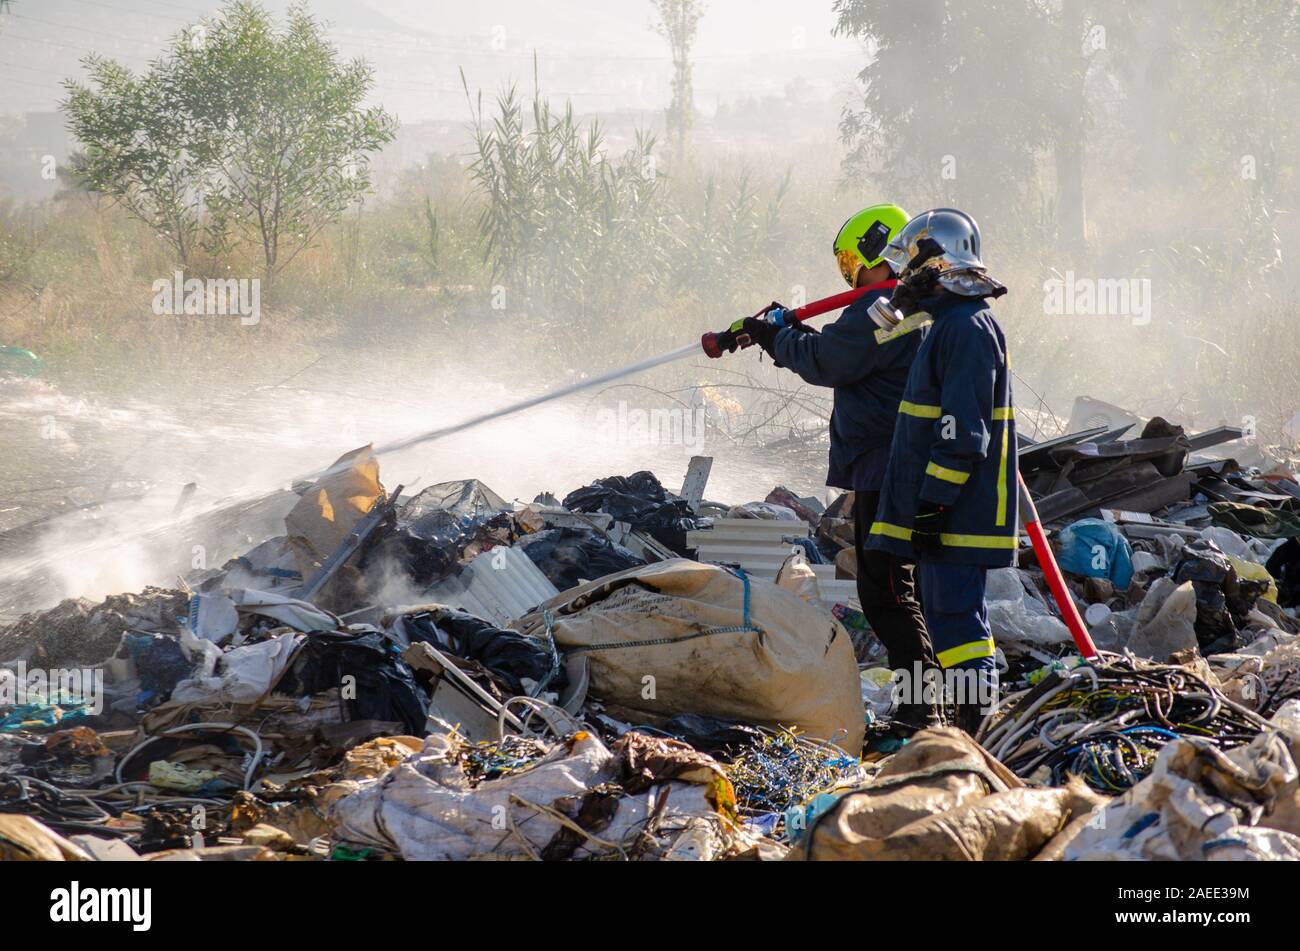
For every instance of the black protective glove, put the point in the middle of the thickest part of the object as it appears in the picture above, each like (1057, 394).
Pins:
(927, 524)
(908, 294)
(763, 332)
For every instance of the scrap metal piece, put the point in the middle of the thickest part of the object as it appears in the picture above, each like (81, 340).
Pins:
(1089, 411)
(362, 530)
(500, 584)
(641, 544)
(1213, 437)
(1039, 454)
(697, 477)
(457, 700)
(760, 546)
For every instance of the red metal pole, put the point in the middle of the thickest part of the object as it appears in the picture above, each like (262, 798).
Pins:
(835, 301)
(1055, 580)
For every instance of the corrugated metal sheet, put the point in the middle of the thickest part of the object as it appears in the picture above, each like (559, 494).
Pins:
(760, 546)
(499, 585)
(756, 544)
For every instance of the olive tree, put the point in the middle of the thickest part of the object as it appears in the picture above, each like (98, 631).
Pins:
(242, 131)
(284, 121)
(136, 149)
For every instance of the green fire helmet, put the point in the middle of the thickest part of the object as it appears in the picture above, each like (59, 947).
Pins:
(862, 241)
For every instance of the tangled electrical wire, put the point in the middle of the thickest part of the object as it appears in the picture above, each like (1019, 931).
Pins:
(1279, 681)
(1107, 724)
(782, 769)
(492, 759)
(87, 810)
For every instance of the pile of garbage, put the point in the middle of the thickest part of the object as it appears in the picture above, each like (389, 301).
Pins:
(633, 673)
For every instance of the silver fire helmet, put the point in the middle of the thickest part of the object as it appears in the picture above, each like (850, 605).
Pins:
(955, 233)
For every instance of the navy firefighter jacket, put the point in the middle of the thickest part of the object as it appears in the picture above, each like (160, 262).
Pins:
(955, 443)
(866, 366)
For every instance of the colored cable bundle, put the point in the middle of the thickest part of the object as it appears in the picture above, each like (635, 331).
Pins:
(784, 769)
(1108, 723)
(493, 759)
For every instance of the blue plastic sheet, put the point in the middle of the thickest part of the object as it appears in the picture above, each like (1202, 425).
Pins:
(1096, 549)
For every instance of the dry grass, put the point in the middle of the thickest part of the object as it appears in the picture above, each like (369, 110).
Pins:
(76, 281)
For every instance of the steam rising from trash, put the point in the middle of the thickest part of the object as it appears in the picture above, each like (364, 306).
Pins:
(149, 530)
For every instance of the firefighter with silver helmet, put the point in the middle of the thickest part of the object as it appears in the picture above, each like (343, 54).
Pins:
(949, 495)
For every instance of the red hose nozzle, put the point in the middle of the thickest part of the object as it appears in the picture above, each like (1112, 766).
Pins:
(710, 345)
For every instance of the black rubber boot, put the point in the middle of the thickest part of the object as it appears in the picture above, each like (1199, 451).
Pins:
(971, 711)
(911, 717)
(968, 717)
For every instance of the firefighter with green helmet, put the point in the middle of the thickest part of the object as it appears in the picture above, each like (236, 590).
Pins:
(860, 245)
(866, 364)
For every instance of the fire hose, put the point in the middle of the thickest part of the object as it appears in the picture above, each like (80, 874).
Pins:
(734, 337)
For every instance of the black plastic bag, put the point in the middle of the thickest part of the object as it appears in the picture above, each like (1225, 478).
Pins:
(1222, 599)
(1284, 566)
(384, 686)
(434, 526)
(641, 501)
(508, 654)
(568, 556)
(160, 662)
(712, 735)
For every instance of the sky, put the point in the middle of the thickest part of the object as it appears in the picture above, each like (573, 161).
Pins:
(605, 56)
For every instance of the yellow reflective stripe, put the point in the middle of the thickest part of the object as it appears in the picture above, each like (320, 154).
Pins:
(925, 411)
(905, 326)
(980, 541)
(890, 530)
(920, 409)
(1002, 480)
(947, 475)
(975, 650)
(1003, 414)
